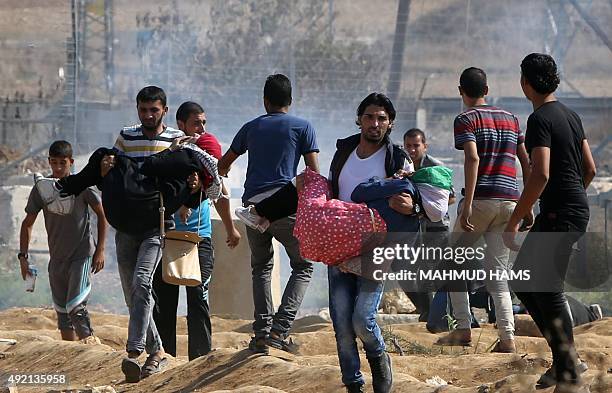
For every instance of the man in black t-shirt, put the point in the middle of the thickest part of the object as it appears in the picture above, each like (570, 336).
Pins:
(561, 169)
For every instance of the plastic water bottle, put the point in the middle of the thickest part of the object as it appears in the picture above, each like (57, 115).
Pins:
(30, 281)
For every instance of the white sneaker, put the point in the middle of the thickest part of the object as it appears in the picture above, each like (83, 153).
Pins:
(596, 310)
(251, 219)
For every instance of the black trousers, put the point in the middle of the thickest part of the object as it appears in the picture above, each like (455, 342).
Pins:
(166, 298)
(283, 203)
(549, 262)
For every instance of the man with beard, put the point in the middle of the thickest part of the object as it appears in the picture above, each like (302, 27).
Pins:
(138, 256)
(353, 299)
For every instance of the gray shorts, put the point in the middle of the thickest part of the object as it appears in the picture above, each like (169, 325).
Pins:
(70, 284)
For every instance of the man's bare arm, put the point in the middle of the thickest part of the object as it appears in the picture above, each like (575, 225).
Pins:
(223, 208)
(25, 234)
(98, 257)
(523, 158)
(312, 160)
(225, 163)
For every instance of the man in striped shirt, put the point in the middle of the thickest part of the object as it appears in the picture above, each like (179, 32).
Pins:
(138, 255)
(491, 141)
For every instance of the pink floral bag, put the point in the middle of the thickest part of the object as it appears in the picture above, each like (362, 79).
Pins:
(330, 230)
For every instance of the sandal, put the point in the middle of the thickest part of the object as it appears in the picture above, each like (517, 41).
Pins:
(278, 342)
(131, 370)
(152, 365)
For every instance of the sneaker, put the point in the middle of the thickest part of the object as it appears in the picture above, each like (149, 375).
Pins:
(382, 373)
(252, 219)
(38, 176)
(596, 309)
(276, 341)
(259, 345)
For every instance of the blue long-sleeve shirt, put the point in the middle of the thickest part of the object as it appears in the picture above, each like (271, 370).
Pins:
(376, 193)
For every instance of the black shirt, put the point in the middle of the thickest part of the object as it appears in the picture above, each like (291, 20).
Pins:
(557, 127)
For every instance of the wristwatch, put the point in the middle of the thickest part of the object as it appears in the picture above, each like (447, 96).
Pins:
(417, 208)
(23, 255)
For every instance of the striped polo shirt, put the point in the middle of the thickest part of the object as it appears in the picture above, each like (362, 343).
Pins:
(133, 143)
(497, 135)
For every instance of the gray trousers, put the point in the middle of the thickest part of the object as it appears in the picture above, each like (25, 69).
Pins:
(262, 263)
(137, 258)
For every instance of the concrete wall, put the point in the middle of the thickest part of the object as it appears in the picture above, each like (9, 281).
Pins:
(231, 285)
(13, 199)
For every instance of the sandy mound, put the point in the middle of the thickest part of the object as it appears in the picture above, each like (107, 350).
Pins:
(231, 368)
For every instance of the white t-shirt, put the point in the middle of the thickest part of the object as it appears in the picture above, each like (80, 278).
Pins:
(357, 170)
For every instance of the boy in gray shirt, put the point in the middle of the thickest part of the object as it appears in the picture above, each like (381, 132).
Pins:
(72, 252)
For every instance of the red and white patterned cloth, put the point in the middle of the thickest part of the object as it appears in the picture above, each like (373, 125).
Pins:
(331, 230)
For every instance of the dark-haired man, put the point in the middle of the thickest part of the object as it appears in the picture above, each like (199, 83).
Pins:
(191, 119)
(275, 142)
(354, 300)
(138, 256)
(562, 169)
(491, 140)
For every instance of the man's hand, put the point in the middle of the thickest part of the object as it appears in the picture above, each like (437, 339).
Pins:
(97, 263)
(527, 222)
(108, 162)
(299, 182)
(233, 238)
(23, 264)
(464, 218)
(402, 203)
(193, 181)
(184, 213)
(402, 174)
(509, 236)
(178, 143)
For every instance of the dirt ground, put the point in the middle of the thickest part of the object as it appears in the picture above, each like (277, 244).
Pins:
(230, 367)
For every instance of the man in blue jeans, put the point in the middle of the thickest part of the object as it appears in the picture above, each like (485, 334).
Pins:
(275, 141)
(139, 254)
(354, 300)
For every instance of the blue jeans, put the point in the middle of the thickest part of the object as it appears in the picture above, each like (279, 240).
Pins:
(137, 258)
(353, 304)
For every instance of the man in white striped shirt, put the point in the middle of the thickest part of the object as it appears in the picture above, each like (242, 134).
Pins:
(139, 254)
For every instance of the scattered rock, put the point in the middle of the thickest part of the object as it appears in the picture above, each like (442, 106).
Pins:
(435, 381)
(395, 301)
(524, 326)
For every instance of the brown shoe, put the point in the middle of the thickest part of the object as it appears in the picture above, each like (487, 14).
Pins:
(458, 337)
(504, 346)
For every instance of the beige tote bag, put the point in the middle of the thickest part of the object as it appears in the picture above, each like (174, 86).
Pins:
(180, 260)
